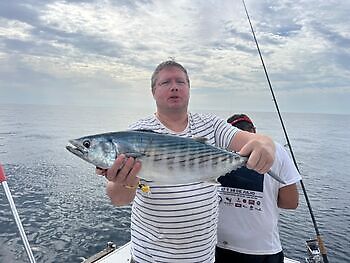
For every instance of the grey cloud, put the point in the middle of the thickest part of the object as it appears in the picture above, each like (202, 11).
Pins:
(250, 49)
(21, 10)
(26, 77)
(277, 18)
(335, 57)
(14, 45)
(287, 30)
(130, 4)
(125, 56)
(92, 45)
(141, 47)
(338, 52)
(343, 60)
(246, 49)
(84, 43)
(248, 37)
(233, 32)
(330, 35)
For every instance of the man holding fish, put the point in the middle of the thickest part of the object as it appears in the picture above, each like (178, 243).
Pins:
(177, 222)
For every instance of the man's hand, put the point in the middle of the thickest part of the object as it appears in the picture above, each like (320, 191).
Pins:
(123, 171)
(261, 155)
(122, 179)
(260, 150)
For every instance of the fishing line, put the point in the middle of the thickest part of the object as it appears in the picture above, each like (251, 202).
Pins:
(319, 238)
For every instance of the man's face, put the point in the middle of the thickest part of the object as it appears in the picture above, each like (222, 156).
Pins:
(171, 90)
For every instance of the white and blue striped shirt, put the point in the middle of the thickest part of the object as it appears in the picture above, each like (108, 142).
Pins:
(177, 223)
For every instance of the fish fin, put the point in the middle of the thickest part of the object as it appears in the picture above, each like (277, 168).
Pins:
(127, 149)
(145, 130)
(200, 139)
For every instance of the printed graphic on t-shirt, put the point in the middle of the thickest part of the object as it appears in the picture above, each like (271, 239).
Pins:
(242, 188)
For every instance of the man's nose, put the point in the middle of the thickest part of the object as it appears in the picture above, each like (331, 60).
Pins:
(174, 86)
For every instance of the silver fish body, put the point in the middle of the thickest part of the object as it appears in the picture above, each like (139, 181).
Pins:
(166, 159)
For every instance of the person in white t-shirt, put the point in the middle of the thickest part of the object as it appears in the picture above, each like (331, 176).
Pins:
(249, 205)
(178, 223)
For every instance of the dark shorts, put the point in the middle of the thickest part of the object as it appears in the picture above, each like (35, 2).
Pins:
(225, 255)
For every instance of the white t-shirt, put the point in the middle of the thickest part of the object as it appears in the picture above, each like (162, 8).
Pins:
(177, 223)
(248, 211)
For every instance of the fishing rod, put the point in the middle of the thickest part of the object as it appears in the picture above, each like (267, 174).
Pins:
(319, 238)
(15, 215)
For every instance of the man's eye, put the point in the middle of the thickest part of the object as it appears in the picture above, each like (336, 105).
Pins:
(164, 83)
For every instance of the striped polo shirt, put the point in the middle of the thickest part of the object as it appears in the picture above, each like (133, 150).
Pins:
(177, 223)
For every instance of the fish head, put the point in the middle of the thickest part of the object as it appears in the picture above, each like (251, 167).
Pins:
(98, 150)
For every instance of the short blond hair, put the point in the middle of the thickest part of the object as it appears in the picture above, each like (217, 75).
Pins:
(167, 64)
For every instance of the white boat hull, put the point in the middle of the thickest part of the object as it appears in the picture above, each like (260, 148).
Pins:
(123, 255)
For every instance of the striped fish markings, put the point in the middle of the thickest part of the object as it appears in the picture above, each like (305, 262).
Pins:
(166, 159)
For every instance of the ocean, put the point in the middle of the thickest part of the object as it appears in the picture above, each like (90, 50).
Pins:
(67, 215)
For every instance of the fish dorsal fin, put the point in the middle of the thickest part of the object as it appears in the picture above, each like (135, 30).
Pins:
(200, 139)
(145, 130)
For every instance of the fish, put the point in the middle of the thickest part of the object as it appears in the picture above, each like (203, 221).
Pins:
(166, 159)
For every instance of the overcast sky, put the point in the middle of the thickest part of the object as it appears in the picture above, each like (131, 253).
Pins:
(102, 53)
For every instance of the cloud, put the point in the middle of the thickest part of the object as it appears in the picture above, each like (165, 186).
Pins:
(79, 48)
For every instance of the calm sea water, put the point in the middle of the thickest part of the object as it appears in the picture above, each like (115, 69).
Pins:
(65, 211)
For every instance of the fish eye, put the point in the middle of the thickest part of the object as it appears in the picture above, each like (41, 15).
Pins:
(86, 143)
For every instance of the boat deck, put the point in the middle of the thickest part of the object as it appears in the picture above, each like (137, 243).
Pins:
(122, 255)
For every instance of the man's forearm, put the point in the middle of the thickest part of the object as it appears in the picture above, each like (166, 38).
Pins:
(288, 197)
